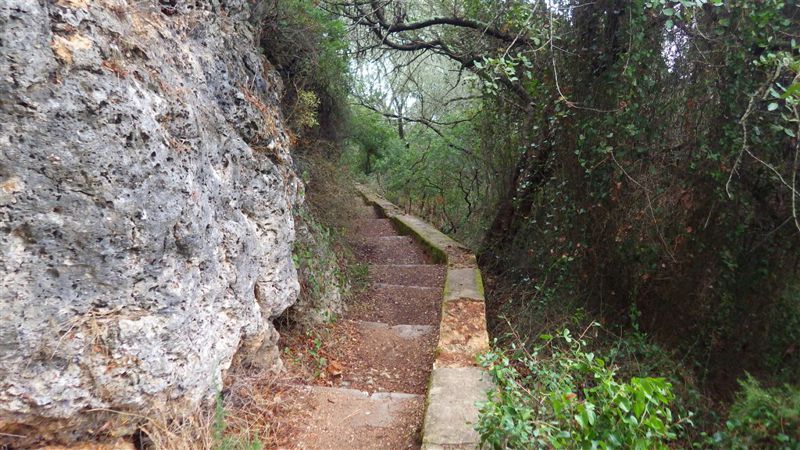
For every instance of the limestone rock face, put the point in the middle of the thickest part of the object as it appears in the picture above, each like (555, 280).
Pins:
(318, 268)
(146, 197)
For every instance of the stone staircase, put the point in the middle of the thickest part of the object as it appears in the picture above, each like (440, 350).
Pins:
(378, 401)
(408, 346)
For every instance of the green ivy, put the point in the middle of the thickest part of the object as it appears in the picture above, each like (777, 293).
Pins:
(561, 395)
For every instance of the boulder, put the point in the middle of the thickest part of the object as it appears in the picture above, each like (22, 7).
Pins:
(146, 210)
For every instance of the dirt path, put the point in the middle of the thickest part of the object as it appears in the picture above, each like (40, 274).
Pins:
(383, 351)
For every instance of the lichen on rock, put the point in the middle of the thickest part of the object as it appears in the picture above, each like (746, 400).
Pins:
(146, 197)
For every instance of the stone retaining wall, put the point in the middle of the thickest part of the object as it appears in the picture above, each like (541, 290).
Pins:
(457, 382)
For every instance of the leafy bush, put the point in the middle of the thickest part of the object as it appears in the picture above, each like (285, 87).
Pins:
(560, 395)
(369, 138)
(762, 418)
(308, 45)
(304, 114)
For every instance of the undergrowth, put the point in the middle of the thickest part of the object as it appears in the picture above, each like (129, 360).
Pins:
(760, 418)
(323, 252)
(562, 391)
(322, 272)
(562, 394)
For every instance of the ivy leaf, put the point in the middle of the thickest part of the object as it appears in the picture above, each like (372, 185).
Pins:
(794, 89)
(581, 421)
(772, 106)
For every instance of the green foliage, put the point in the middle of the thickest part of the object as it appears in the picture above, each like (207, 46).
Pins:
(783, 357)
(507, 67)
(370, 136)
(438, 176)
(308, 47)
(560, 395)
(315, 351)
(304, 114)
(761, 418)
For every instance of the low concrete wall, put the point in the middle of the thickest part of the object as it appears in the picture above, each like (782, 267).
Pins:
(457, 382)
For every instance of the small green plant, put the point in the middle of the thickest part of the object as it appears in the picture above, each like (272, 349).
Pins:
(304, 114)
(560, 395)
(316, 352)
(762, 418)
(358, 275)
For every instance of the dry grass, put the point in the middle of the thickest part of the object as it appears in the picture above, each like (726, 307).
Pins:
(174, 429)
(256, 408)
(261, 405)
(330, 191)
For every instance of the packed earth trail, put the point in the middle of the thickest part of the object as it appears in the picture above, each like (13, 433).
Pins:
(374, 397)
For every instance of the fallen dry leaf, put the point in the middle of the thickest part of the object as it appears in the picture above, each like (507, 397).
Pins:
(334, 369)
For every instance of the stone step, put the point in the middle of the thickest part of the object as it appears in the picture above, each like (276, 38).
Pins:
(367, 212)
(118, 444)
(408, 274)
(402, 286)
(375, 227)
(398, 305)
(397, 238)
(394, 251)
(410, 266)
(353, 419)
(400, 331)
(391, 358)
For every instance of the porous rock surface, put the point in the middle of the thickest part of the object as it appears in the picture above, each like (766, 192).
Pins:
(146, 197)
(322, 299)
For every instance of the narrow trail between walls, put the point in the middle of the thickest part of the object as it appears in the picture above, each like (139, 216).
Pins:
(385, 348)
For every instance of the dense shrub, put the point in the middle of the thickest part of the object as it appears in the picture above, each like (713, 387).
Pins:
(369, 139)
(653, 142)
(561, 395)
(762, 418)
(308, 47)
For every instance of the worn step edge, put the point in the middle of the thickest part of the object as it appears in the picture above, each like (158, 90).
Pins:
(403, 266)
(356, 393)
(456, 381)
(401, 331)
(404, 286)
